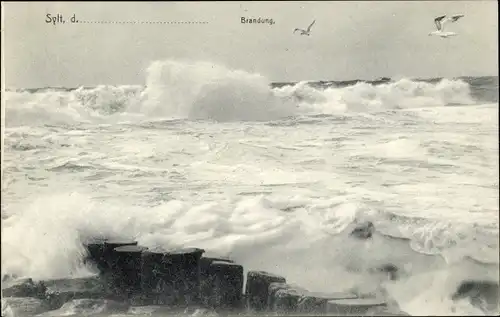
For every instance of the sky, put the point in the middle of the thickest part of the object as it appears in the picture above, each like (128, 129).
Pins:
(350, 40)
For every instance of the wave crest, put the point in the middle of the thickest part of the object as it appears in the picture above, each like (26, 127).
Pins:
(206, 91)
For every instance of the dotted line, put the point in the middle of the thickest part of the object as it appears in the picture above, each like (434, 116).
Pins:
(141, 22)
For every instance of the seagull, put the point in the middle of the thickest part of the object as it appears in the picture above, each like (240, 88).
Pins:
(441, 21)
(305, 32)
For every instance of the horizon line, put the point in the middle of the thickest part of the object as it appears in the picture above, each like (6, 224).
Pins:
(377, 80)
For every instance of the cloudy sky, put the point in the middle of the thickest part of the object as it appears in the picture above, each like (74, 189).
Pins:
(350, 40)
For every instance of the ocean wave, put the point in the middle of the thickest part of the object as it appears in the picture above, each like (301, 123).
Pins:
(205, 91)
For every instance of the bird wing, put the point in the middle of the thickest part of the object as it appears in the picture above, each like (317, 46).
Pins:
(438, 20)
(310, 26)
(451, 19)
(456, 17)
(297, 30)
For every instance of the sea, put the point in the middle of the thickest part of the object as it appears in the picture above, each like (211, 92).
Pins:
(274, 175)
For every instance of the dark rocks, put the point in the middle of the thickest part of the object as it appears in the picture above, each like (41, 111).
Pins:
(54, 293)
(24, 288)
(363, 230)
(226, 280)
(353, 306)
(60, 291)
(315, 303)
(257, 289)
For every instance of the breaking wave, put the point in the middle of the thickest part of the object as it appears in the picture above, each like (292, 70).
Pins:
(205, 91)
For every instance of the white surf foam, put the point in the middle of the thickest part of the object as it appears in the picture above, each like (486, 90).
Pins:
(203, 90)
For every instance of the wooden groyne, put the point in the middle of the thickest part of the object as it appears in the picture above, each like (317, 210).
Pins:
(184, 280)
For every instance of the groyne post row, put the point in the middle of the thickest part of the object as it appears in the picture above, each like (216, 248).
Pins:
(186, 278)
(180, 277)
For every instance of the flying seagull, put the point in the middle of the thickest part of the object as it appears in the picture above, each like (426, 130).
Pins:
(305, 32)
(441, 21)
